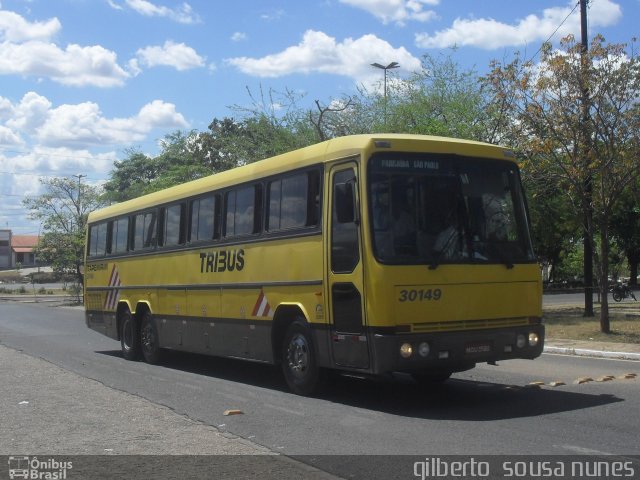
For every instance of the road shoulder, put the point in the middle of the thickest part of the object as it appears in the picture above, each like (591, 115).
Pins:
(47, 410)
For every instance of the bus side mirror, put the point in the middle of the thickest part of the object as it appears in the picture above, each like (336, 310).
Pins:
(345, 202)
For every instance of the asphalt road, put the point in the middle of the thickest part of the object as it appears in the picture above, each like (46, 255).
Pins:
(488, 410)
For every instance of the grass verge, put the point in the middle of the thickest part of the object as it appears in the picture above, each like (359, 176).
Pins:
(568, 323)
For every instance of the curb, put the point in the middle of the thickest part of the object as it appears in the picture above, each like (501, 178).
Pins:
(581, 352)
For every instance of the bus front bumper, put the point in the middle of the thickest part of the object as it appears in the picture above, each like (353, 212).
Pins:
(454, 351)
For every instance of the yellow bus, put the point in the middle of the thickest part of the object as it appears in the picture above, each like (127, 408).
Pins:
(371, 254)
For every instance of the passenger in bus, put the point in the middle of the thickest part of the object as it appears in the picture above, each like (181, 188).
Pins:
(448, 243)
(404, 227)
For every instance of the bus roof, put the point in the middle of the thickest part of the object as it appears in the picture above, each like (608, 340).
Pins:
(341, 147)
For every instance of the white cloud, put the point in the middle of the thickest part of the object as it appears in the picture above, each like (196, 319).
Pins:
(9, 137)
(134, 67)
(490, 34)
(28, 115)
(320, 53)
(114, 5)
(82, 125)
(14, 28)
(238, 36)
(74, 66)
(182, 14)
(171, 54)
(159, 114)
(273, 15)
(397, 11)
(26, 49)
(58, 161)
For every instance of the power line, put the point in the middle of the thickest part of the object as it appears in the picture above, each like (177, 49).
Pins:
(556, 30)
(48, 154)
(48, 176)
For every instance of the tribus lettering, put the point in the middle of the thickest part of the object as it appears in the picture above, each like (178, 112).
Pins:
(221, 261)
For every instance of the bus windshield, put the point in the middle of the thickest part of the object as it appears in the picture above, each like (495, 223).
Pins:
(437, 209)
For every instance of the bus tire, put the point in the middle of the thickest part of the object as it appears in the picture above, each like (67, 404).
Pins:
(149, 343)
(129, 336)
(299, 362)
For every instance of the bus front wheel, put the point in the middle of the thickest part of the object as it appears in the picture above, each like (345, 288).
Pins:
(129, 336)
(151, 350)
(299, 363)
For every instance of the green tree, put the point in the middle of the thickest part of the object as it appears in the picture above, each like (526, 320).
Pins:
(440, 99)
(553, 227)
(181, 159)
(130, 177)
(591, 155)
(63, 209)
(625, 228)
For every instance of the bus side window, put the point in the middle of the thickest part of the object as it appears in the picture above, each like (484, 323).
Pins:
(243, 211)
(173, 225)
(205, 218)
(98, 240)
(145, 230)
(151, 230)
(293, 202)
(313, 199)
(119, 236)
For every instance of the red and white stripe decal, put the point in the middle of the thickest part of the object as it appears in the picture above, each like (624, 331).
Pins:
(262, 307)
(111, 300)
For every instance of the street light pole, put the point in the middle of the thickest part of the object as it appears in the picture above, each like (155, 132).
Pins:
(391, 66)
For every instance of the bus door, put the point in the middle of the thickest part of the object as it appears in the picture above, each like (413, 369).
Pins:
(345, 273)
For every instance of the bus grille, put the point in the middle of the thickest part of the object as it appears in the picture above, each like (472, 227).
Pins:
(470, 324)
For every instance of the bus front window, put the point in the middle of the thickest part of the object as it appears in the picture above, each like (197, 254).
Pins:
(447, 210)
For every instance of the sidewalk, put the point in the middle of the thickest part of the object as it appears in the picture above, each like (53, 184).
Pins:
(48, 411)
(587, 348)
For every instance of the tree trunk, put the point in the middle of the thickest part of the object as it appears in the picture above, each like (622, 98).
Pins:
(605, 327)
(633, 271)
(588, 252)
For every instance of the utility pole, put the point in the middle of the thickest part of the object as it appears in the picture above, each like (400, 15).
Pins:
(588, 185)
(79, 206)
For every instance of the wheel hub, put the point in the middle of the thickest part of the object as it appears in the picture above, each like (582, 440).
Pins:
(298, 355)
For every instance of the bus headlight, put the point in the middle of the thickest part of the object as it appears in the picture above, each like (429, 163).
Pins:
(521, 341)
(533, 339)
(406, 350)
(424, 349)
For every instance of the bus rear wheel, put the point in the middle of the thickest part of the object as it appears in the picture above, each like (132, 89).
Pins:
(299, 363)
(149, 344)
(129, 336)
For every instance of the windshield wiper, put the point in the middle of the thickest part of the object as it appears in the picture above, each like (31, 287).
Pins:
(450, 236)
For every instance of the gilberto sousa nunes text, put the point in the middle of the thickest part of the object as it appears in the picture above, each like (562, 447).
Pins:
(524, 467)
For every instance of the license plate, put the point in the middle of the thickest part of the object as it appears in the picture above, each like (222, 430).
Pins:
(477, 348)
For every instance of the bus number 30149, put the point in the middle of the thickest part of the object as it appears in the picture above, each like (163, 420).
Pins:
(420, 295)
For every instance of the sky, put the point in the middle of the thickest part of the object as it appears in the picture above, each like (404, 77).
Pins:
(83, 82)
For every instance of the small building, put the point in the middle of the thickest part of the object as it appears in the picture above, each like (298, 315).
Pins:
(17, 250)
(23, 250)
